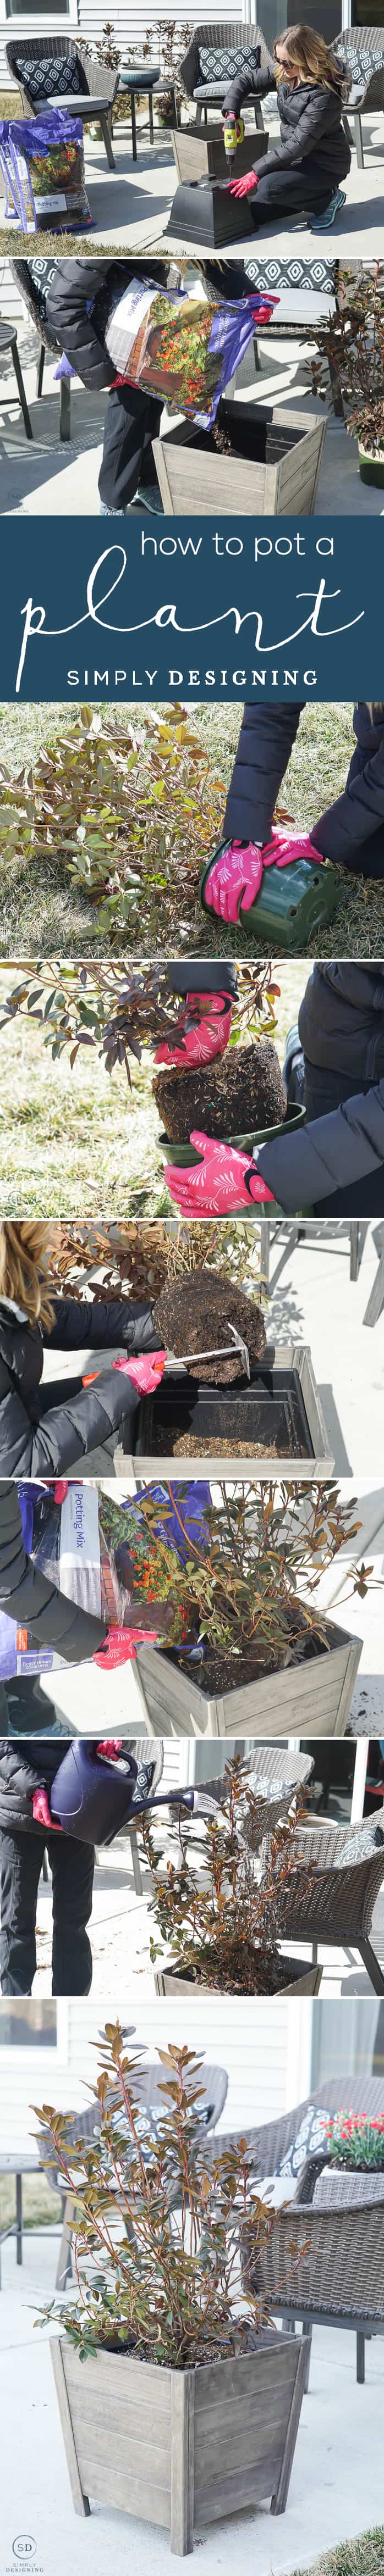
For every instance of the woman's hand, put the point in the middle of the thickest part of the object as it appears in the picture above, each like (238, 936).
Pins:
(235, 879)
(145, 1374)
(42, 1813)
(110, 1748)
(223, 1182)
(121, 1646)
(208, 1038)
(242, 187)
(285, 847)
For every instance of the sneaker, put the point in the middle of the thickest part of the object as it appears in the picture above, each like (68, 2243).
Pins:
(322, 223)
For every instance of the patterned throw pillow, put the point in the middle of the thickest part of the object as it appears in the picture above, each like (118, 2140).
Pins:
(53, 77)
(286, 274)
(362, 1844)
(309, 2141)
(219, 65)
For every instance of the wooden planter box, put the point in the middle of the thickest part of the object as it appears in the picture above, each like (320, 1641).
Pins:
(304, 1981)
(199, 153)
(180, 2448)
(307, 1699)
(291, 1360)
(193, 477)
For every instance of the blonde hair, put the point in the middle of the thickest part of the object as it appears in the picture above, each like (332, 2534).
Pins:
(375, 707)
(24, 1260)
(309, 57)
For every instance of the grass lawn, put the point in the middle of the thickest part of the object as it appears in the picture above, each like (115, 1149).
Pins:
(41, 2206)
(41, 912)
(362, 2557)
(82, 1144)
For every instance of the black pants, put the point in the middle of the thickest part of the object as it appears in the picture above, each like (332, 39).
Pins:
(324, 1091)
(132, 420)
(305, 190)
(72, 1864)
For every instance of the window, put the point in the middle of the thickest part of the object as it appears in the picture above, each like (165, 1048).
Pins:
(29, 9)
(28, 2025)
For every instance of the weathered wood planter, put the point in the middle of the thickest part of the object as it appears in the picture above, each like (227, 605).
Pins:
(313, 1698)
(274, 469)
(180, 2448)
(303, 1981)
(280, 1405)
(199, 152)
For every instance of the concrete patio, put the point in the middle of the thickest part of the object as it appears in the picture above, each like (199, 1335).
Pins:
(61, 478)
(336, 2481)
(130, 206)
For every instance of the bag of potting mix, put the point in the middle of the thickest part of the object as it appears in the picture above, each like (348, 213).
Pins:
(180, 349)
(98, 1553)
(42, 163)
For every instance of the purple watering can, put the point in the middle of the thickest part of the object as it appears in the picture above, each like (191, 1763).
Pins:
(91, 1797)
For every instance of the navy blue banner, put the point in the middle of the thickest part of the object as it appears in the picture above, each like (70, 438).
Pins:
(186, 607)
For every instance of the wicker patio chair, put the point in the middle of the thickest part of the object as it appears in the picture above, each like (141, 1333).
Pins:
(234, 36)
(27, 276)
(324, 1902)
(98, 82)
(353, 41)
(287, 1774)
(361, 2294)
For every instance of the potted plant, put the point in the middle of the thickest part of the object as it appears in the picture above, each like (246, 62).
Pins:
(216, 1904)
(177, 2403)
(262, 463)
(210, 1409)
(351, 364)
(351, 2170)
(265, 1661)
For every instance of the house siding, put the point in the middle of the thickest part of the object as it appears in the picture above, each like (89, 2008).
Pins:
(266, 2049)
(129, 25)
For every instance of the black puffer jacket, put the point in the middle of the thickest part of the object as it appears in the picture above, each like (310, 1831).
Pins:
(266, 741)
(310, 123)
(27, 1597)
(44, 1429)
(341, 1025)
(23, 1768)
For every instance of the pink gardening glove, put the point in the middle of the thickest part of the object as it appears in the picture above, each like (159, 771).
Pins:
(120, 1646)
(206, 1041)
(242, 187)
(42, 1813)
(145, 1374)
(235, 879)
(284, 847)
(223, 1182)
(111, 1748)
(60, 1489)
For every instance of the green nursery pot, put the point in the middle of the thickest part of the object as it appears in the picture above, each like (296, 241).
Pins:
(371, 465)
(291, 904)
(186, 1154)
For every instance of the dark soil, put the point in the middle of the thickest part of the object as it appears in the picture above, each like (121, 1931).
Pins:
(193, 1314)
(240, 1092)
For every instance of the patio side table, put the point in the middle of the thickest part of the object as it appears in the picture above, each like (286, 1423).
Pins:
(145, 79)
(18, 2162)
(8, 343)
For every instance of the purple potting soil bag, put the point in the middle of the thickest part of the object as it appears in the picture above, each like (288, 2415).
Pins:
(179, 348)
(42, 164)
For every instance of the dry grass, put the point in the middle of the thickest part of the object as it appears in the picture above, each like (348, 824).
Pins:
(361, 2557)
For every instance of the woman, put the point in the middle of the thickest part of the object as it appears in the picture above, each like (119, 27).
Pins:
(334, 1164)
(44, 1428)
(350, 832)
(80, 300)
(27, 1830)
(302, 172)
